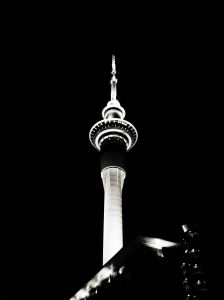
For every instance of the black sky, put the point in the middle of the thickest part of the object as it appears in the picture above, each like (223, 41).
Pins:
(169, 72)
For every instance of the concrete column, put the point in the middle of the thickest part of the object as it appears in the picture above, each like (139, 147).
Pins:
(113, 180)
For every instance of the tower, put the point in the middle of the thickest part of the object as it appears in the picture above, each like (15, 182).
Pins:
(113, 136)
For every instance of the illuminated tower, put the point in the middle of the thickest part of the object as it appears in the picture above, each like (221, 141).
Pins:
(139, 269)
(113, 137)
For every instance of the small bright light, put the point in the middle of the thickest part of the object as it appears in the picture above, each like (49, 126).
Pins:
(121, 270)
(160, 253)
(199, 282)
(185, 228)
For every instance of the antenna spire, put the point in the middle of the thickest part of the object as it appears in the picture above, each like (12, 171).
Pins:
(113, 65)
(113, 81)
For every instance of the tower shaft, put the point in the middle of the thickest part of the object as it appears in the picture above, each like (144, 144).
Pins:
(113, 180)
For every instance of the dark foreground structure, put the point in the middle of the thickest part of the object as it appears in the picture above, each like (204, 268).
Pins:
(142, 268)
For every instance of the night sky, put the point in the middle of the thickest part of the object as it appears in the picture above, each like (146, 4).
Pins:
(170, 78)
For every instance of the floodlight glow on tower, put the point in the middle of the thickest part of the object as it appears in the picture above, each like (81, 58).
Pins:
(113, 137)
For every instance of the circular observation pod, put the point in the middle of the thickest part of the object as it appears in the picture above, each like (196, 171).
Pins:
(113, 131)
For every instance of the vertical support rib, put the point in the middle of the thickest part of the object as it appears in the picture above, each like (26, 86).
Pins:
(113, 180)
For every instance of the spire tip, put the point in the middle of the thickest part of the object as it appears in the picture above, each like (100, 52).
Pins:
(113, 65)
